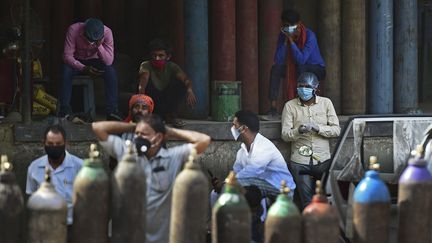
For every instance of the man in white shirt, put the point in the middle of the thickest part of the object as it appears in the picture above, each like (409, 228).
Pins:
(63, 165)
(259, 164)
(309, 120)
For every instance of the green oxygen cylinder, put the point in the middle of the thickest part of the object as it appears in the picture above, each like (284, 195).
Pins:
(11, 204)
(47, 214)
(90, 201)
(283, 223)
(189, 204)
(231, 216)
(129, 188)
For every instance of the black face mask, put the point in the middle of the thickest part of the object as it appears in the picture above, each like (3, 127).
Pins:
(55, 152)
(142, 145)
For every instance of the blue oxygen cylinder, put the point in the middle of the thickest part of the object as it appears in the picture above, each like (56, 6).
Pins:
(371, 212)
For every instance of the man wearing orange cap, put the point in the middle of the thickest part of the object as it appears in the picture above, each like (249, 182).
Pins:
(139, 104)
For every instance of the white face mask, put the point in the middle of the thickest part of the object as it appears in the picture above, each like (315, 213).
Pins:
(235, 133)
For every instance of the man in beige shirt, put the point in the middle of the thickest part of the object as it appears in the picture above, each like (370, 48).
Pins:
(308, 120)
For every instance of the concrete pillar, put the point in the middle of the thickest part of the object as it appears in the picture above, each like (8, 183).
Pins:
(62, 17)
(381, 57)
(89, 9)
(223, 46)
(406, 56)
(196, 53)
(269, 28)
(353, 57)
(329, 38)
(247, 52)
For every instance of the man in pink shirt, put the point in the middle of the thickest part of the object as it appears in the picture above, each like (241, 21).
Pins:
(89, 49)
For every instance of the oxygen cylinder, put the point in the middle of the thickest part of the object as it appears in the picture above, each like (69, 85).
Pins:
(283, 223)
(231, 216)
(371, 210)
(90, 201)
(188, 215)
(48, 213)
(129, 208)
(11, 204)
(321, 221)
(414, 201)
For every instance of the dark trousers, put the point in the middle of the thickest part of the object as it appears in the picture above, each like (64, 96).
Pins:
(109, 76)
(167, 101)
(305, 184)
(278, 72)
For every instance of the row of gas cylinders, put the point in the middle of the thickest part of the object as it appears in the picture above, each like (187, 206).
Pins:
(96, 199)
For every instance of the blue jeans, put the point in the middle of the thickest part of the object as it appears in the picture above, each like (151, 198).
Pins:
(305, 183)
(111, 89)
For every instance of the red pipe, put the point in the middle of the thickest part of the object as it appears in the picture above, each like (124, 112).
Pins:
(223, 46)
(247, 52)
(269, 28)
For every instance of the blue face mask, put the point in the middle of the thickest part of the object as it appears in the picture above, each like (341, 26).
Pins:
(305, 94)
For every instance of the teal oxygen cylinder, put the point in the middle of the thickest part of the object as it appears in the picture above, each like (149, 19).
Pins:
(231, 216)
(371, 210)
(90, 201)
(283, 223)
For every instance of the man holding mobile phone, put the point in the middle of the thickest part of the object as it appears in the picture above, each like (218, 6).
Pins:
(297, 52)
(89, 49)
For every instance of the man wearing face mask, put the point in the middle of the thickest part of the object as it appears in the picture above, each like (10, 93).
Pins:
(297, 52)
(161, 165)
(259, 164)
(63, 165)
(309, 120)
(165, 82)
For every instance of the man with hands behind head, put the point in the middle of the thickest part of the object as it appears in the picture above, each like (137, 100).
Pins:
(161, 164)
(310, 120)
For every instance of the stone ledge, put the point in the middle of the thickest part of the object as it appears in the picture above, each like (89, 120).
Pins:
(219, 131)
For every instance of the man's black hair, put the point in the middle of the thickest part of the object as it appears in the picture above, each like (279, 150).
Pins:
(249, 119)
(54, 129)
(154, 121)
(291, 16)
(159, 44)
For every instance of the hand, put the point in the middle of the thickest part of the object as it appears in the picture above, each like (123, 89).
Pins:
(99, 42)
(217, 185)
(190, 98)
(89, 70)
(141, 89)
(304, 128)
(314, 127)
